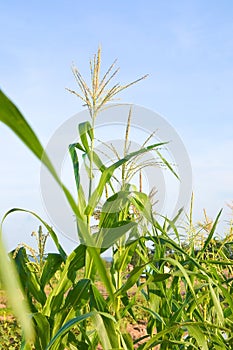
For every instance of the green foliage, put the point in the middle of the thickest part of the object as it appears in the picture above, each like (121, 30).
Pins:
(182, 290)
(10, 335)
(10, 282)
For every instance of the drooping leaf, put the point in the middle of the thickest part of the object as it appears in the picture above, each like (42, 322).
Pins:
(167, 164)
(85, 130)
(49, 228)
(108, 236)
(13, 118)
(107, 174)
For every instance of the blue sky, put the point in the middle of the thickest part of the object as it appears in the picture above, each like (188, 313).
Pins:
(185, 46)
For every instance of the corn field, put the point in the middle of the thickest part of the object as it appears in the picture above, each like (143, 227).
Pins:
(179, 287)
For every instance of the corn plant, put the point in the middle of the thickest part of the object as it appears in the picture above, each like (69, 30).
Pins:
(54, 315)
(183, 293)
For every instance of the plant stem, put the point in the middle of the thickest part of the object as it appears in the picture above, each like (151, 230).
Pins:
(88, 267)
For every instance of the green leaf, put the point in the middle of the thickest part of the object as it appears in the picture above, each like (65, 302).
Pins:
(128, 341)
(43, 331)
(107, 329)
(211, 233)
(97, 300)
(158, 277)
(165, 240)
(28, 277)
(114, 208)
(184, 272)
(128, 305)
(196, 332)
(217, 304)
(107, 174)
(81, 196)
(84, 130)
(108, 236)
(123, 259)
(142, 203)
(75, 162)
(135, 275)
(12, 117)
(70, 324)
(101, 331)
(15, 294)
(79, 146)
(167, 164)
(50, 230)
(154, 314)
(102, 270)
(74, 262)
(162, 338)
(78, 296)
(52, 264)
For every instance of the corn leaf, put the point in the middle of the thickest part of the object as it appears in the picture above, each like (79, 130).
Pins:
(43, 331)
(70, 324)
(52, 263)
(50, 230)
(15, 294)
(107, 174)
(196, 332)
